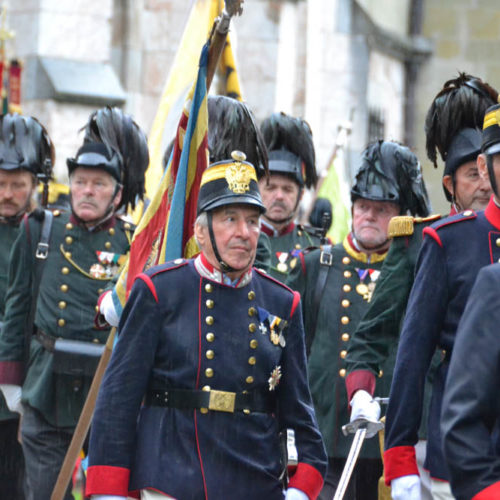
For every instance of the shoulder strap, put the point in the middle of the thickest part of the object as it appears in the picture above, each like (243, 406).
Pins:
(42, 250)
(325, 261)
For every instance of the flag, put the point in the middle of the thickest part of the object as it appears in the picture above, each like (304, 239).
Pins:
(336, 189)
(165, 231)
(179, 81)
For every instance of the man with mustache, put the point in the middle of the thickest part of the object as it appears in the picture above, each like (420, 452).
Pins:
(336, 284)
(292, 167)
(25, 147)
(60, 264)
(203, 380)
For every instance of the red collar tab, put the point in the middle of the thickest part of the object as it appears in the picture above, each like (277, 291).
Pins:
(492, 213)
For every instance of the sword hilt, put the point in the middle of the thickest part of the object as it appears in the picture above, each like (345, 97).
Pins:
(372, 427)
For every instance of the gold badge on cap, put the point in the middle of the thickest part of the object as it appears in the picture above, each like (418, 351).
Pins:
(238, 174)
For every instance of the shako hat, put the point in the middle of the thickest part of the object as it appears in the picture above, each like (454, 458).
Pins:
(391, 172)
(491, 131)
(97, 155)
(229, 182)
(25, 144)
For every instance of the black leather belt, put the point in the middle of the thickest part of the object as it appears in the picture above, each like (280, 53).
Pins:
(47, 341)
(185, 399)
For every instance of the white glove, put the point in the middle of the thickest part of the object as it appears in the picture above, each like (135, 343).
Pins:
(12, 395)
(107, 309)
(406, 488)
(364, 407)
(107, 497)
(295, 494)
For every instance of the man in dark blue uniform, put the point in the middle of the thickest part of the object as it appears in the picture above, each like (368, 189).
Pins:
(453, 251)
(470, 405)
(219, 366)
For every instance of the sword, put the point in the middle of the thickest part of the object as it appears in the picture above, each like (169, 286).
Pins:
(361, 428)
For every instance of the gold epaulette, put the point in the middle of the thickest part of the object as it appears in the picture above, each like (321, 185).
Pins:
(402, 225)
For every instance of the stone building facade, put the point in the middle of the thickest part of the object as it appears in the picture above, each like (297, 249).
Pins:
(377, 63)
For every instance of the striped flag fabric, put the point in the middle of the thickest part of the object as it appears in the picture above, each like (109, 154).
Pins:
(165, 231)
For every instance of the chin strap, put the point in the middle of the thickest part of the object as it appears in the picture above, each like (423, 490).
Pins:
(491, 174)
(225, 268)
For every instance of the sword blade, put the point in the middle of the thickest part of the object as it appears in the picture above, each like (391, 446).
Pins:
(356, 445)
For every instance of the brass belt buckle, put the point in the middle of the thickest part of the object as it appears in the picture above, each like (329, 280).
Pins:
(222, 401)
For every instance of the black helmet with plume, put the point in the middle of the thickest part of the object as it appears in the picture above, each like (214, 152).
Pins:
(232, 127)
(291, 149)
(461, 103)
(118, 131)
(25, 144)
(391, 172)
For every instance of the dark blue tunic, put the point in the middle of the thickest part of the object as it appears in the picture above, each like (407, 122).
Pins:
(180, 330)
(453, 252)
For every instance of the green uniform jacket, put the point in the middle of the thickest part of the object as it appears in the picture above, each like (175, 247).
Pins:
(73, 277)
(285, 247)
(377, 335)
(349, 282)
(8, 234)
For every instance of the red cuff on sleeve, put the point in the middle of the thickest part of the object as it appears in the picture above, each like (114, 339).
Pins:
(492, 492)
(359, 380)
(307, 479)
(11, 372)
(107, 480)
(399, 461)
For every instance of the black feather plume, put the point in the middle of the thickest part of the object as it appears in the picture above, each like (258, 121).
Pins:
(119, 131)
(232, 126)
(25, 143)
(461, 103)
(282, 131)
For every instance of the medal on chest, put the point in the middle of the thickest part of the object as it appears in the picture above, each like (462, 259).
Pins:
(107, 265)
(273, 326)
(367, 280)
